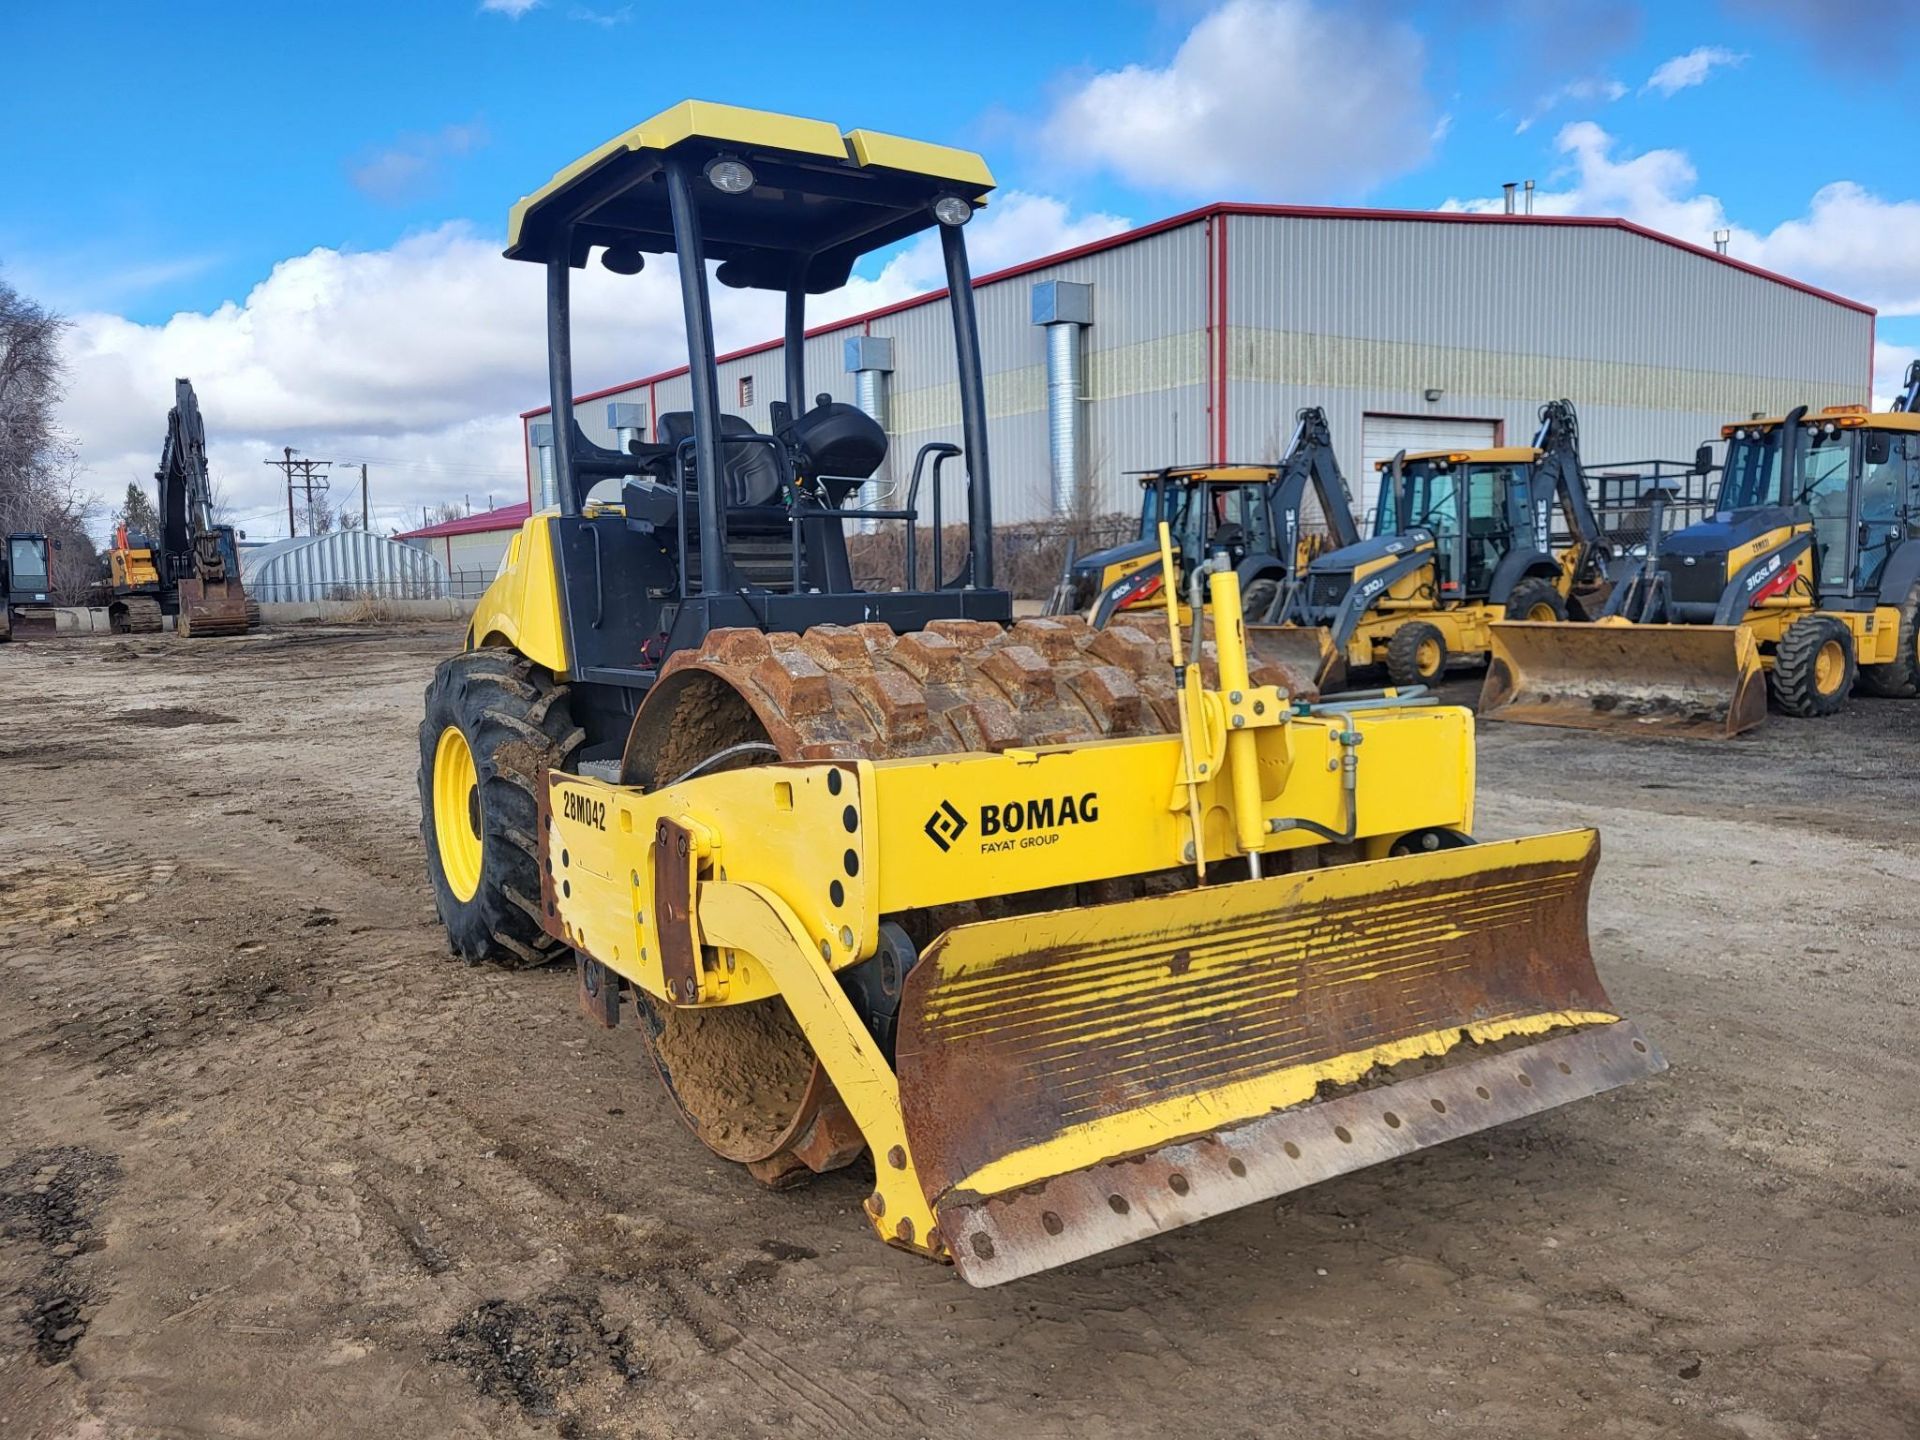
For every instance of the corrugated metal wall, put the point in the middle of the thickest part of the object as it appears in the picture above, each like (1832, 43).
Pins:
(343, 565)
(1656, 345)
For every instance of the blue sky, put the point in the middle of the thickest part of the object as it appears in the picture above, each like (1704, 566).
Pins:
(192, 181)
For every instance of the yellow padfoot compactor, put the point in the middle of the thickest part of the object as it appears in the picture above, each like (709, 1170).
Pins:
(1083, 935)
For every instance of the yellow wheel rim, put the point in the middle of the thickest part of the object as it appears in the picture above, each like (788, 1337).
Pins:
(456, 812)
(1541, 613)
(1429, 657)
(1829, 666)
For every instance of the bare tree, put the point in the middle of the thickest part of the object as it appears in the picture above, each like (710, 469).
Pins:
(39, 487)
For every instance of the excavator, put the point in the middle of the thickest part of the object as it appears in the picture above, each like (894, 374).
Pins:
(26, 586)
(1460, 539)
(1083, 934)
(191, 570)
(1803, 582)
(1253, 512)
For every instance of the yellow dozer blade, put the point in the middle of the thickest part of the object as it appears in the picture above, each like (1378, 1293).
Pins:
(1300, 649)
(1079, 1079)
(1687, 680)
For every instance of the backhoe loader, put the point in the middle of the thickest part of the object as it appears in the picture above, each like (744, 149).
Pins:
(1082, 934)
(1805, 579)
(1460, 539)
(1252, 512)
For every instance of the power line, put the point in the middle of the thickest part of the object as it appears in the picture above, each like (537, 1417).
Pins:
(311, 473)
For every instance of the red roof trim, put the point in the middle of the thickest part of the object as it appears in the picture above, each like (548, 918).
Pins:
(1289, 212)
(507, 517)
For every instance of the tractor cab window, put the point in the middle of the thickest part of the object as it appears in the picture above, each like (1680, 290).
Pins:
(1164, 500)
(1433, 503)
(1821, 484)
(26, 563)
(1386, 512)
(1244, 509)
(1489, 536)
(1751, 476)
(1889, 476)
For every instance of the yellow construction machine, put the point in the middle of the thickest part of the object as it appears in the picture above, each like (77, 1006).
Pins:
(1805, 578)
(1460, 539)
(1082, 934)
(26, 585)
(1255, 514)
(191, 569)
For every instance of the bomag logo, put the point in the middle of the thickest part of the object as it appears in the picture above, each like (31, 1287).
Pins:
(1014, 824)
(584, 809)
(946, 825)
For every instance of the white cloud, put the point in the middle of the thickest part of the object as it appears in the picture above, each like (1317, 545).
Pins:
(420, 357)
(1265, 99)
(1692, 68)
(605, 19)
(512, 9)
(1849, 240)
(1594, 90)
(407, 169)
(1890, 364)
(1016, 226)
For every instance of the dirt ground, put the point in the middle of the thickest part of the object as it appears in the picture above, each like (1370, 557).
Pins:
(271, 1164)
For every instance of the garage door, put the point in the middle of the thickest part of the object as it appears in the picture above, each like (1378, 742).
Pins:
(1384, 436)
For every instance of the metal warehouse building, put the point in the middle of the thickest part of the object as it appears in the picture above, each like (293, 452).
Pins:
(1198, 338)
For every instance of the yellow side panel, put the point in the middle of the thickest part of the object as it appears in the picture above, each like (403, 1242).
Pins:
(918, 157)
(521, 607)
(998, 825)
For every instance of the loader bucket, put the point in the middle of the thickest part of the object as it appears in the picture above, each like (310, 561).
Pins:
(1300, 650)
(1700, 681)
(1080, 1079)
(212, 609)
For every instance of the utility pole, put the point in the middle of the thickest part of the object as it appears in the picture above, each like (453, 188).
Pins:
(307, 473)
(366, 515)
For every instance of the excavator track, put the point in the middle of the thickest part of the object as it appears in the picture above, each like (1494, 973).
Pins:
(137, 615)
(745, 1082)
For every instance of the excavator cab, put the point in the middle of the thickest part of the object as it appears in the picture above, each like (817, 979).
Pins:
(26, 586)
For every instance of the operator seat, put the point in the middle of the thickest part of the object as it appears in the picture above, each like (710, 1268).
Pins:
(751, 471)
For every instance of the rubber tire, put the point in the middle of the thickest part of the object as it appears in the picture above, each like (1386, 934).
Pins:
(1532, 594)
(1899, 679)
(1403, 654)
(1794, 690)
(515, 719)
(1258, 598)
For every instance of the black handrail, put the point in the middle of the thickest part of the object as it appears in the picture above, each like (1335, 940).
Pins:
(943, 450)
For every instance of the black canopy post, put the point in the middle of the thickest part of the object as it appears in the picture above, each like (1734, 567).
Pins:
(701, 376)
(973, 406)
(795, 347)
(560, 374)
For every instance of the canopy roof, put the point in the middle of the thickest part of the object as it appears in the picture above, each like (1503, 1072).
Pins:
(1211, 474)
(820, 199)
(1498, 455)
(1847, 416)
